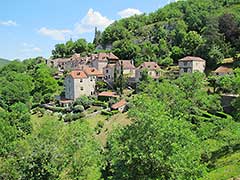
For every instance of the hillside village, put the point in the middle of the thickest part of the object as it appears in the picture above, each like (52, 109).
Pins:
(155, 95)
(82, 74)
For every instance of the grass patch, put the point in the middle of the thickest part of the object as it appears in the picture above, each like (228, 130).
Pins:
(226, 167)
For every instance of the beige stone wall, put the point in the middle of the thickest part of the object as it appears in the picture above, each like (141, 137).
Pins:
(199, 66)
(84, 86)
(74, 88)
(191, 66)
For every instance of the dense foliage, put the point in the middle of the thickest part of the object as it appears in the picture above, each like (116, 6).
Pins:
(206, 28)
(178, 132)
(69, 48)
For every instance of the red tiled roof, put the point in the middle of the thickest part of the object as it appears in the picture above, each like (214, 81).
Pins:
(223, 69)
(149, 65)
(106, 56)
(92, 71)
(192, 58)
(119, 104)
(78, 74)
(127, 64)
(108, 94)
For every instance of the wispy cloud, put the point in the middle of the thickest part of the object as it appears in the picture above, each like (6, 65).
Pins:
(29, 48)
(86, 25)
(129, 12)
(8, 23)
(56, 34)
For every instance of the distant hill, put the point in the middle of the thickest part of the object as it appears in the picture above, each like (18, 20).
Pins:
(3, 62)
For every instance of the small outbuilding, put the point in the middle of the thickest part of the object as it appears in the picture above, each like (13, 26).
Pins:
(120, 106)
(223, 70)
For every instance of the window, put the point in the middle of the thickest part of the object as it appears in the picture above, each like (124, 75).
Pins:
(81, 80)
(91, 78)
(81, 88)
(106, 70)
(185, 70)
(185, 63)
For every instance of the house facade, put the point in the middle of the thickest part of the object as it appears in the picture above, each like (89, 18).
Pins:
(152, 69)
(191, 64)
(101, 60)
(81, 82)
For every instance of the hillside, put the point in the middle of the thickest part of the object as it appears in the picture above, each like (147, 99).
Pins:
(3, 62)
(206, 28)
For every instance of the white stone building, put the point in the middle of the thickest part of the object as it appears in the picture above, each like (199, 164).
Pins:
(153, 69)
(81, 82)
(191, 64)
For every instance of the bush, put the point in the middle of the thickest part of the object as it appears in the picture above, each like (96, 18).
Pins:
(78, 108)
(99, 126)
(85, 101)
(100, 103)
(114, 112)
(107, 113)
(73, 117)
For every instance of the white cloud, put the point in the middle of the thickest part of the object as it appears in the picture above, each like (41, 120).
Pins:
(172, 1)
(29, 48)
(8, 23)
(56, 34)
(129, 12)
(91, 20)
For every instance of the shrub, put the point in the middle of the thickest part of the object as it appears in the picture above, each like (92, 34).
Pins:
(78, 108)
(107, 113)
(100, 103)
(85, 101)
(99, 126)
(73, 117)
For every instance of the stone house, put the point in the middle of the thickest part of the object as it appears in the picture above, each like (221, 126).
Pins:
(129, 70)
(191, 64)
(152, 68)
(120, 106)
(101, 60)
(223, 70)
(81, 82)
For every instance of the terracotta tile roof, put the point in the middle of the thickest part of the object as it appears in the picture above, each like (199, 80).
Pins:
(149, 65)
(77, 74)
(223, 69)
(192, 58)
(108, 94)
(127, 64)
(106, 56)
(92, 72)
(119, 104)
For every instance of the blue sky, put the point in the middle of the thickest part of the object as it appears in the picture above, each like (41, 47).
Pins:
(30, 28)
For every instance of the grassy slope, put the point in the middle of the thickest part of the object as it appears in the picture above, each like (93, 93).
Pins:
(226, 167)
(3, 62)
(109, 123)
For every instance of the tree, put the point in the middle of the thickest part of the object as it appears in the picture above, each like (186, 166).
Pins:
(155, 146)
(125, 49)
(17, 88)
(54, 151)
(192, 42)
(45, 85)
